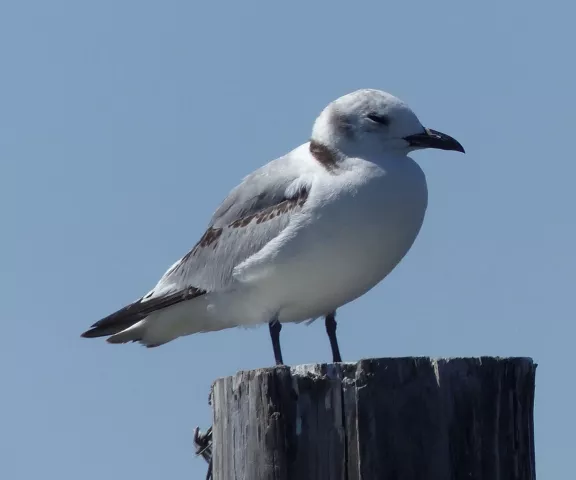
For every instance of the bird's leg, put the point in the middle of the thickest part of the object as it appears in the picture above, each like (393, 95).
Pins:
(275, 327)
(331, 330)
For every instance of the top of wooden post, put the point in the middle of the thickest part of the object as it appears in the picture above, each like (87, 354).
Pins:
(389, 418)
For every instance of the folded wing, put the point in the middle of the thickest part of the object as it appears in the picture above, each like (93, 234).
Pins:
(253, 214)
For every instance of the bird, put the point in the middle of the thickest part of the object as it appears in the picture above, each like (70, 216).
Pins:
(300, 236)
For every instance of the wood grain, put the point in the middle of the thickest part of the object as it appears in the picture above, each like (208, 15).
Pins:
(386, 419)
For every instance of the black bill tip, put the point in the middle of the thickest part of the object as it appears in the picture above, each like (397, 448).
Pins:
(434, 139)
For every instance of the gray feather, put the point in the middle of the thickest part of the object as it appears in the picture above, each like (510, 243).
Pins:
(253, 214)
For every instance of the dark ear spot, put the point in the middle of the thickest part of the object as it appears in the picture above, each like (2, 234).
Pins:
(342, 124)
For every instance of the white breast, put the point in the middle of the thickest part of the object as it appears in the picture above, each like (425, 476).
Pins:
(359, 225)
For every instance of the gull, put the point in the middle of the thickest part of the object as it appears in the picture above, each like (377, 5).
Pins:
(302, 235)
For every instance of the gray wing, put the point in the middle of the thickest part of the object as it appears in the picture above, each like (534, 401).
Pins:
(254, 213)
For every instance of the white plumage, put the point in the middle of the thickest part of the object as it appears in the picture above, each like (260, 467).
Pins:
(302, 235)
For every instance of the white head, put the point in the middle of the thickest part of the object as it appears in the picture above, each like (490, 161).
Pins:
(371, 120)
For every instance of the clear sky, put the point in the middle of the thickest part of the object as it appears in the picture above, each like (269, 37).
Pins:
(123, 124)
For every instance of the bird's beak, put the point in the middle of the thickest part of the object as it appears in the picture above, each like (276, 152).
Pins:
(434, 139)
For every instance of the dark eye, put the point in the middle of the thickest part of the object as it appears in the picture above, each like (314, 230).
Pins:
(382, 119)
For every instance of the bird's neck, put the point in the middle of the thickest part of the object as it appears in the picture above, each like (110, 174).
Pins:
(327, 137)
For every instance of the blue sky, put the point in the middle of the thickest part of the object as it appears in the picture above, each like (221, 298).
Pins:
(123, 124)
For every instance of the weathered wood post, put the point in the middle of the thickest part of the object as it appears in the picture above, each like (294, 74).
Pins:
(381, 419)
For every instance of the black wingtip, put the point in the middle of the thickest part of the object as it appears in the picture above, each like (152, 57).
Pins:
(133, 313)
(116, 322)
(95, 333)
(104, 328)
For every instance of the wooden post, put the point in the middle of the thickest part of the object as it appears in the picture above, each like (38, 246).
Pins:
(378, 419)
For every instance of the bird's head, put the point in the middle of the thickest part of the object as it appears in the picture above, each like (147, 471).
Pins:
(375, 121)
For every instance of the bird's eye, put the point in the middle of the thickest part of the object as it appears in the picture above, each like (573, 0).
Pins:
(381, 119)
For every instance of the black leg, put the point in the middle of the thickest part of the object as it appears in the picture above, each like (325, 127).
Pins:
(275, 327)
(331, 330)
